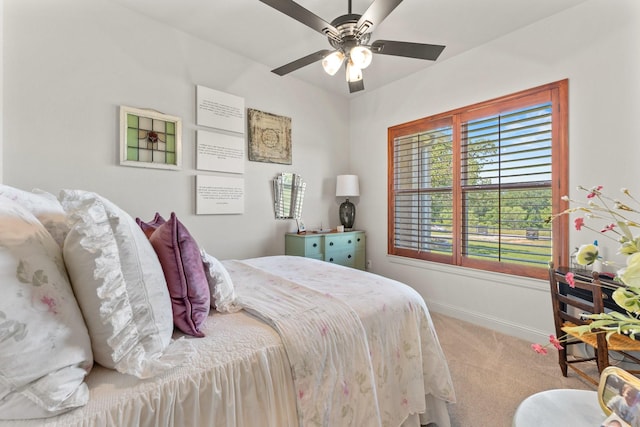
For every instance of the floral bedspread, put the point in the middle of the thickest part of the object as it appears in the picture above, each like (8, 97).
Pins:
(325, 343)
(362, 347)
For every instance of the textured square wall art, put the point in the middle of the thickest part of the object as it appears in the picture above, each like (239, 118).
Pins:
(150, 139)
(269, 137)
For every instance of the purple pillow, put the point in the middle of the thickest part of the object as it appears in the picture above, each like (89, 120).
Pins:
(149, 227)
(183, 269)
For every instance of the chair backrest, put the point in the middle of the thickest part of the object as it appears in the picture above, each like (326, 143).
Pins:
(570, 301)
(586, 294)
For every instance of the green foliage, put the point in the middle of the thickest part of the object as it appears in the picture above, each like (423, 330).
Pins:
(610, 323)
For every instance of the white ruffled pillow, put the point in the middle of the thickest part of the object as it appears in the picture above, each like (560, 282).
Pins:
(45, 352)
(44, 206)
(223, 294)
(119, 284)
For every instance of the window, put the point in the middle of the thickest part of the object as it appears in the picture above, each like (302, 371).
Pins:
(474, 187)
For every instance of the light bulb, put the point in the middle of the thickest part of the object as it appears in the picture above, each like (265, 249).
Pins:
(361, 56)
(332, 62)
(354, 73)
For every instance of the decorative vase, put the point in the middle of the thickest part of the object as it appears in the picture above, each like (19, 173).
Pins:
(347, 214)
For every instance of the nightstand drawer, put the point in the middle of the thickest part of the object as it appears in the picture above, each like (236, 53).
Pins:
(359, 241)
(313, 246)
(301, 245)
(346, 258)
(336, 242)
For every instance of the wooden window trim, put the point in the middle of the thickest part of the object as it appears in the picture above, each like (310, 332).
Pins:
(557, 94)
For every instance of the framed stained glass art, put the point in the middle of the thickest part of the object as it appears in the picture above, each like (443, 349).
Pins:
(150, 139)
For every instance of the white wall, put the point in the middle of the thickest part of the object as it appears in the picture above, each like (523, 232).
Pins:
(69, 64)
(1, 81)
(596, 46)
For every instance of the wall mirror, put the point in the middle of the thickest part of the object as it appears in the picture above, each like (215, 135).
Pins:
(288, 193)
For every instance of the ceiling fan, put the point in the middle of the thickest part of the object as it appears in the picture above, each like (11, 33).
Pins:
(349, 36)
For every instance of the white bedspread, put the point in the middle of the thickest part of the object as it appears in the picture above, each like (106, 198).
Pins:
(325, 343)
(407, 359)
(241, 376)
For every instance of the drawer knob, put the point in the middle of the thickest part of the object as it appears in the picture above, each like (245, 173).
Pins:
(349, 242)
(331, 259)
(315, 245)
(349, 256)
(358, 239)
(330, 243)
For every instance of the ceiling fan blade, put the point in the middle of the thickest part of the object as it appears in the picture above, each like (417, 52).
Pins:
(411, 50)
(302, 62)
(356, 86)
(375, 14)
(300, 14)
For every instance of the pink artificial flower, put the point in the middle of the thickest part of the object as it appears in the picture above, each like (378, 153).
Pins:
(594, 192)
(578, 222)
(609, 227)
(345, 388)
(556, 342)
(50, 303)
(539, 349)
(570, 279)
(323, 330)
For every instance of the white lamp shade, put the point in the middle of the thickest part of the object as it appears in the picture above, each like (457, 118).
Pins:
(354, 74)
(332, 62)
(361, 56)
(347, 186)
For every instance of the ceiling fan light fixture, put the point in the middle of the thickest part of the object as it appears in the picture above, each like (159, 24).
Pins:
(349, 37)
(332, 62)
(361, 56)
(354, 73)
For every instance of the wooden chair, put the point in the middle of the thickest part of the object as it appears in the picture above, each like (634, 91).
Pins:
(569, 303)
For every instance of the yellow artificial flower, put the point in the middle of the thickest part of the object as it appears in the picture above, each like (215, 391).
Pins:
(617, 223)
(587, 254)
(630, 275)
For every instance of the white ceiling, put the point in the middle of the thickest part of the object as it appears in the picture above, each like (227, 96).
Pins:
(257, 31)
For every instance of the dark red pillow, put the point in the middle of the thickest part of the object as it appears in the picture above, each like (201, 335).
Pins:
(149, 227)
(184, 272)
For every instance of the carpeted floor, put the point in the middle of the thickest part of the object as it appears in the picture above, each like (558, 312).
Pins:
(492, 373)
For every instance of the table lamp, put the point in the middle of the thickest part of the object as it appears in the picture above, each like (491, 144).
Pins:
(347, 186)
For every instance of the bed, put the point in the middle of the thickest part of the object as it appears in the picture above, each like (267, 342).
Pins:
(307, 343)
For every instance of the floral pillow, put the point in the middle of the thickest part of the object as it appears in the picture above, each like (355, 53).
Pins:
(44, 206)
(223, 294)
(45, 351)
(119, 284)
(184, 272)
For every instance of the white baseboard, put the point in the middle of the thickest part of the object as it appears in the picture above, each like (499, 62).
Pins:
(497, 324)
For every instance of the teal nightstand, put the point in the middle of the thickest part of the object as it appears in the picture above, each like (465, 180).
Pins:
(347, 248)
